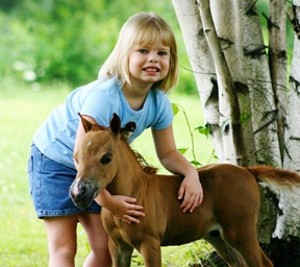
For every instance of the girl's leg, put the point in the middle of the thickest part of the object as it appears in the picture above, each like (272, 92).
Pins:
(62, 244)
(98, 240)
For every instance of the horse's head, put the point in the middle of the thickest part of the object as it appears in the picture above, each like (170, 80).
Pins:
(94, 157)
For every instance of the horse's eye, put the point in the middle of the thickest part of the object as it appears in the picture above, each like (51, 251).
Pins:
(106, 159)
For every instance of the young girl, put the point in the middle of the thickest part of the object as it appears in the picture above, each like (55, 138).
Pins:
(132, 83)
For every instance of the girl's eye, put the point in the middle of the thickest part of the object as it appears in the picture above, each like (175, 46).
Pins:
(143, 51)
(163, 53)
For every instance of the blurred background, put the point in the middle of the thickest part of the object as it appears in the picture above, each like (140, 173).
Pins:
(47, 41)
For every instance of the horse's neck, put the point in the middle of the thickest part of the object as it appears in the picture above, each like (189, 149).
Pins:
(129, 175)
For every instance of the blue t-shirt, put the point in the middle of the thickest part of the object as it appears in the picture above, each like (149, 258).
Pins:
(99, 99)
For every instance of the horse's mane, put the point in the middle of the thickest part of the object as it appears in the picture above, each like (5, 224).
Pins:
(148, 169)
(144, 164)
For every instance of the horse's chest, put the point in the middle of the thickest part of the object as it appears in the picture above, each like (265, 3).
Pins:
(120, 230)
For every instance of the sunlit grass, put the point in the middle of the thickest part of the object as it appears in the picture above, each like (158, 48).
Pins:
(23, 240)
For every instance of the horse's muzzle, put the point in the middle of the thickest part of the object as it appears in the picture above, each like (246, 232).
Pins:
(83, 192)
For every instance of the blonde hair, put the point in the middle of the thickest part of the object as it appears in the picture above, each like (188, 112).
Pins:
(141, 29)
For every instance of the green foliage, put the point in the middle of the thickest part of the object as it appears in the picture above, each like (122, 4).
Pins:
(204, 130)
(57, 40)
(200, 129)
(192, 254)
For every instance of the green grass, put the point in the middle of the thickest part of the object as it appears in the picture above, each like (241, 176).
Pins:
(22, 236)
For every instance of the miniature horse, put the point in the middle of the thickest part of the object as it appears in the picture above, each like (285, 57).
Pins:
(226, 218)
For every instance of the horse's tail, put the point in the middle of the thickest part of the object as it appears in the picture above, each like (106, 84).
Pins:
(276, 176)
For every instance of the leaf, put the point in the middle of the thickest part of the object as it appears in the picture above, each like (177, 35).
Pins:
(203, 130)
(175, 108)
(196, 163)
(182, 150)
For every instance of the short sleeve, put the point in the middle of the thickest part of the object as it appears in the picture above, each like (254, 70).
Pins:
(164, 112)
(99, 104)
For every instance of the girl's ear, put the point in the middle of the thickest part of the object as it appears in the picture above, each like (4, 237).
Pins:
(115, 124)
(87, 125)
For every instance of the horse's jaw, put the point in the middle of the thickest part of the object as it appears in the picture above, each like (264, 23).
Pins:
(121, 184)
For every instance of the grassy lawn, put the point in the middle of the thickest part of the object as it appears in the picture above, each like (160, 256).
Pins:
(23, 239)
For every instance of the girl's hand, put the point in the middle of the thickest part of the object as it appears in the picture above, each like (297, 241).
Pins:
(124, 208)
(191, 192)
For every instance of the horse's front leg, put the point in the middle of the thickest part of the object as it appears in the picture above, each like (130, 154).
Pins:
(151, 252)
(120, 253)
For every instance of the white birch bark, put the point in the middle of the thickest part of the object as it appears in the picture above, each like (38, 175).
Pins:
(225, 83)
(230, 113)
(292, 137)
(260, 86)
(226, 17)
(202, 64)
(288, 223)
(278, 64)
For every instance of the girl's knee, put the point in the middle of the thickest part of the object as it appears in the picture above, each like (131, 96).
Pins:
(64, 248)
(62, 237)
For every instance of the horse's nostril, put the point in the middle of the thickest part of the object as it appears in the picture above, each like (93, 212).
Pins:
(82, 190)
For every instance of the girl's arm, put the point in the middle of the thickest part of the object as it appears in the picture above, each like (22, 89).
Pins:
(190, 190)
(122, 207)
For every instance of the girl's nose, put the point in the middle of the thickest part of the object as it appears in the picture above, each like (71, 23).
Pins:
(153, 57)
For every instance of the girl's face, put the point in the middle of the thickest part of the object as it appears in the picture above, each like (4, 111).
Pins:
(148, 64)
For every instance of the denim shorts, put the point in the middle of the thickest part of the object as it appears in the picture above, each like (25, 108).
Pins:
(49, 187)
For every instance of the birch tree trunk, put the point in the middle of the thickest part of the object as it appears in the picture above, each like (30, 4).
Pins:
(229, 110)
(203, 67)
(259, 82)
(244, 95)
(278, 64)
(231, 45)
(292, 137)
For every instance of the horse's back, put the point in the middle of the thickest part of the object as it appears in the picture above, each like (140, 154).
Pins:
(227, 181)
(228, 190)
(224, 179)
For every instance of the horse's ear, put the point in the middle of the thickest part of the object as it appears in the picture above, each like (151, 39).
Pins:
(115, 124)
(128, 130)
(87, 125)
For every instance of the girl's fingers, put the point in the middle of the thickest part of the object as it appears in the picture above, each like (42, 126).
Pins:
(187, 204)
(128, 219)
